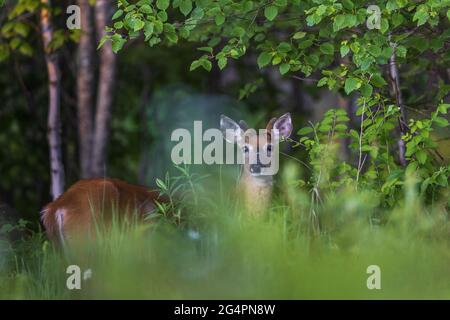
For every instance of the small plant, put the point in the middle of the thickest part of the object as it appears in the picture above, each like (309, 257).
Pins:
(183, 192)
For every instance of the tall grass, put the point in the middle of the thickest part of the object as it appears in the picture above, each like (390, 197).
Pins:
(216, 251)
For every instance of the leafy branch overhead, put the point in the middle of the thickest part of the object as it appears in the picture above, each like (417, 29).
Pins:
(353, 46)
(296, 36)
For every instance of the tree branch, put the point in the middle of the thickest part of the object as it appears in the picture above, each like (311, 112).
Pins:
(395, 88)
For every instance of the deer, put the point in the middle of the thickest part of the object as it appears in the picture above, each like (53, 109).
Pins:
(76, 214)
(255, 184)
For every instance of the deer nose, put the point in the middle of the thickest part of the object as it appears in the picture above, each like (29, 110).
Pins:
(255, 168)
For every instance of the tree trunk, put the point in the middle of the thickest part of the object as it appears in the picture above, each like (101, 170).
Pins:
(395, 87)
(105, 93)
(143, 112)
(85, 88)
(53, 122)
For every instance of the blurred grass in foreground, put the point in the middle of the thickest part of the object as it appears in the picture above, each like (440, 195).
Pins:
(234, 256)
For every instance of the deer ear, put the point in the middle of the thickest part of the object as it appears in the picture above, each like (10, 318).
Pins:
(243, 125)
(270, 124)
(231, 131)
(284, 125)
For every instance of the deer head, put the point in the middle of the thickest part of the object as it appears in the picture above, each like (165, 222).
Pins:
(259, 149)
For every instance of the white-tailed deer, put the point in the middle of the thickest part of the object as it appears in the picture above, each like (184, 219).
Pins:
(76, 212)
(255, 183)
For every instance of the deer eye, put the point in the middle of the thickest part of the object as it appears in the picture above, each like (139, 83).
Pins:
(269, 148)
(246, 149)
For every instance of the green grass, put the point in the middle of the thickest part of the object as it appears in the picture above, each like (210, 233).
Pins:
(284, 255)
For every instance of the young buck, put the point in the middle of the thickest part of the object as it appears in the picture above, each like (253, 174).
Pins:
(91, 203)
(255, 184)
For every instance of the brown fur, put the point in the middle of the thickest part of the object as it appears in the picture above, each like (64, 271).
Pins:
(75, 212)
(257, 191)
(257, 194)
(257, 188)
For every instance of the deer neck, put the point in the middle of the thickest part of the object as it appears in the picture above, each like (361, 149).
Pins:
(257, 192)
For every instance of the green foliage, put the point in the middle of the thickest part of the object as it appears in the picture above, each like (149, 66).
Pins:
(182, 192)
(332, 39)
(304, 48)
(377, 168)
(18, 32)
(422, 152)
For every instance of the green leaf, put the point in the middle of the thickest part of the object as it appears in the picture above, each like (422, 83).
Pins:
(348, 4)
(117, 15)
(129, 8)
(397, 19)
(162, 15)
(186, 7)
(148, 30)
(421, 156)
(378, 81)
(222, 62)
(305, 130)
(391, 6)
(219, 19)
(443, 107)
(206, 64)
(276, 60)
(312, 59)
(401, 51)
(264, 59)
(341, 127)
(305, 44)
(324, 128)
(299, 35)
(270, 12)
(351, 84)
(103, 41)
(284, 47)
(161, 184)
(384, 25)
(344, 50)
(197, 13)
(327, 48)
(339, 22)
(117, 42)
(206, 49)
(26, 49)
(194, 65)
(366, 90)
(21, 29)
(284, 68)
(321, 9)
(172, 37)
(239, 31)
(375, 50)
(138, 25)
(322, 82)
(441, 122)
(162, 4)
(421, 15)
(146, 9)
(15, 43)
